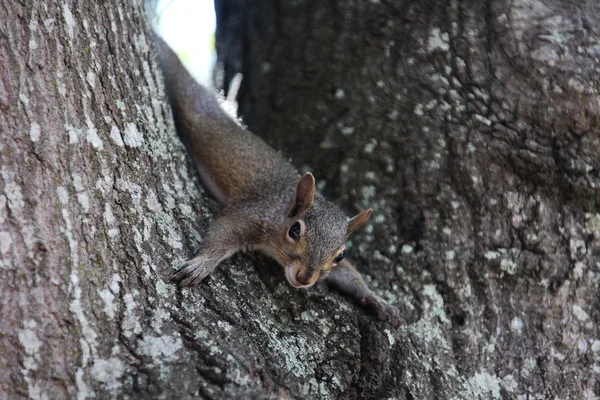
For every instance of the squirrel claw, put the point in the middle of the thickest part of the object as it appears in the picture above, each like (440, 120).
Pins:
(192, 271)
(385, 311)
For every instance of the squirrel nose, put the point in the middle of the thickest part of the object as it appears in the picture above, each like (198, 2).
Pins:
(303, 278)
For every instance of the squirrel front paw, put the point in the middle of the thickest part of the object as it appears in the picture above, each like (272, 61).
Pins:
(193, 271)
(385, 311)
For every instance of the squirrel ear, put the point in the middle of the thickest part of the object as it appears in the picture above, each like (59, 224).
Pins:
(305, 193)
(358, 220)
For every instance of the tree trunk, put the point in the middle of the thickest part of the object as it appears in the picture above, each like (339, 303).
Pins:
(472, 129)
(98, 205)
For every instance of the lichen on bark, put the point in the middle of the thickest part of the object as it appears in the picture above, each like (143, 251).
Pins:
(468, 126)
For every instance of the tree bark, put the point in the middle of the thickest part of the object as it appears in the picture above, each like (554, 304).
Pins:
(472, 129)
(98, 205)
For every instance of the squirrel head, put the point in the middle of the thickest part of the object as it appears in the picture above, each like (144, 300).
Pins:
(313, 235)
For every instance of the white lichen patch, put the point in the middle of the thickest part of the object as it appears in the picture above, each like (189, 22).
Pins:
(577, 84)
(108, 215)
(133, 137)
(529, 365)
(110, 219)
(309, 315)
(390, 336)
(582, 346)
(483, 120)
(63, 198)
(82, 196)
(69, 20)
(83, 391)
(164, 289)
(592, 225)
(140, 43)
(557, 354)
(77, 182)
(201, 335)
(3, 213)
(161, 348)
(49, 24)
(516, 325)
(508, 266)
(580, 314)
(509, 383)
(346, 130)
(406, 249)
(435, 306)
(92, 135)
(29, 340)
(13, 200)
(62, 194)
(419, 110)
(134, 190)
(158, 319)
(431, 105)
(5, 242)
(237, 376)
(74, 133)
(34, 132)
(108, 372)
(293, 350)
(429, 333)
(370, 147)
(76, 307)
(108, 296)
(164, 220)
(88, 340)
(84, 201)
(130, 324)
(438, 40)
(115, 135)
(579, 270)
(90, 77)
(368, 192)
(152, 202)
(31, 344)
(493, 255)
(482, 386)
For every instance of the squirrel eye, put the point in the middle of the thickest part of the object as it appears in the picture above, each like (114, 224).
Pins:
(294, 231)
(340, 257)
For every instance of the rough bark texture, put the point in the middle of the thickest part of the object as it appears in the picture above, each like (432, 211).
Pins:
(98, 205)
(472, 129)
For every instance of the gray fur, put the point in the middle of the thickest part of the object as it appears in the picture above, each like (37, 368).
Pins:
(257, 188)
(326, 229)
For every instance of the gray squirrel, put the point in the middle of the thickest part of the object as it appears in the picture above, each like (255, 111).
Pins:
(266, 205)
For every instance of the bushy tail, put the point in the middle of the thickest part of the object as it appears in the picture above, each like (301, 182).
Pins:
(186, 95)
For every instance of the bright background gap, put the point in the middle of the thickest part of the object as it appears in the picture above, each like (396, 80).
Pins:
(188, 26)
